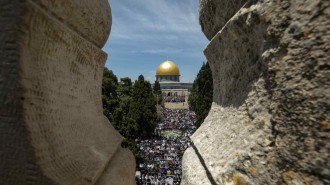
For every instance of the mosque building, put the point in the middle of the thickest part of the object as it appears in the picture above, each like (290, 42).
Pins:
(168, 76)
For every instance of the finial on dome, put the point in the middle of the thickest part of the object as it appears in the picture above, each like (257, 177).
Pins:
(167, 58)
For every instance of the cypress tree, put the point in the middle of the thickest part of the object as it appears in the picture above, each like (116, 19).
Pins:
(157, 89)
(125, 87)
(158, 93)
(143, 107)
(201, 96)
(130, 109)
(109, 92)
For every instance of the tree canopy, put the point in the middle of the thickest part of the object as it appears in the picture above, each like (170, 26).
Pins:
(158, 93)
(130, 108)
(109, 92)
(157, 89)
(143, 107)
(201, 96)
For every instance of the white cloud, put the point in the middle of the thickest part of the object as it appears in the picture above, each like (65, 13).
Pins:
(172, 15)
(144, 32)
(153, 16)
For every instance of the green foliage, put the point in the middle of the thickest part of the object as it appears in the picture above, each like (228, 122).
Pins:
(125, 90)
(109, 93)
(131, 144)
(158, 94)
(125, 87)
(143, 107)
(157, 89)
(201, 96)
(130, 109)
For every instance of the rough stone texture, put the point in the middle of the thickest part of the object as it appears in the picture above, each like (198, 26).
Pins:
(121, 170)
(212, 16)
(52, 127)
(90, 19)
(269, 122)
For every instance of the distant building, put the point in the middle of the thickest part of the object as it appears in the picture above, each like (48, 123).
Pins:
(168, 75)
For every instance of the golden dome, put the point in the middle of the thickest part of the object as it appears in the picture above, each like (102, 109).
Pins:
(167, 68)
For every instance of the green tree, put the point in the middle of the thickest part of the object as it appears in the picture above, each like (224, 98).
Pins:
(125, 90)
(201, 96)
(118, 118)
(126, 126)
(130, 109)
(143, 107)
(158, 93)
(157, 89)
(125, 87)
(109, 93)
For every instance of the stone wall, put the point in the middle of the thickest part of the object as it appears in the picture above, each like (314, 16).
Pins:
(269, 121)
(52, 127)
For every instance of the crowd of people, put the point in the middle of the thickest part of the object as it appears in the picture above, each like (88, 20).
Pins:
(161, 161)
(174, 99)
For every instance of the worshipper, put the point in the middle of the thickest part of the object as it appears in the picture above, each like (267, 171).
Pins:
(161, 162)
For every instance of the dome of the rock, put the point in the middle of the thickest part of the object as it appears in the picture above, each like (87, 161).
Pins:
(167, 68)
(168, 76)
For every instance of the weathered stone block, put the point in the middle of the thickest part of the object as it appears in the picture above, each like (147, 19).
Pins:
(121, 170)
(213, 14)
(91, 19)
(52, 129)
(269, 120)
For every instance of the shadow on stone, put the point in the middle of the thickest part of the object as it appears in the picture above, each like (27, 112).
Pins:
(208, 173)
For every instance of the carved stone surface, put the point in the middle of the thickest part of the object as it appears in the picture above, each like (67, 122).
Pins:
(52, 129)
(269, 122)
(90, 19)
(121, 170)
(213, 14)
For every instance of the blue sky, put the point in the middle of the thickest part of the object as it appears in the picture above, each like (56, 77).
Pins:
(145, 32)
